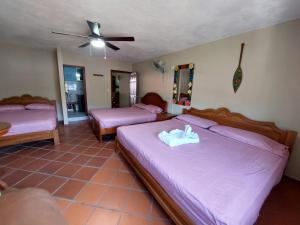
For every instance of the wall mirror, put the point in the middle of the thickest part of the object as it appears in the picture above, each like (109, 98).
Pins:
(183, 84)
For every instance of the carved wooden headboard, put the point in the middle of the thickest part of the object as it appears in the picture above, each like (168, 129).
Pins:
(154, 99)
(224, 117)
(26, 99)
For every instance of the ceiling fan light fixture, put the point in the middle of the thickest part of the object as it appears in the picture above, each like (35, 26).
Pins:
(95, 38)
(97, 43)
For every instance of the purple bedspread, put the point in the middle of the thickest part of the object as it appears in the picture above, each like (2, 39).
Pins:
(122, 116)
(27, 121)
(217, 181)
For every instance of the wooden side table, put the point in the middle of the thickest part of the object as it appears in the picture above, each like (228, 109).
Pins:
(4, 127)
(165, 116)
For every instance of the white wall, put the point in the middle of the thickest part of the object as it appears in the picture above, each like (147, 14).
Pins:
(31, 71)
(271, 84)
(98, 88)
(26, 70)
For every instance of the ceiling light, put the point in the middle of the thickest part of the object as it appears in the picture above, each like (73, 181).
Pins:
(98, 43)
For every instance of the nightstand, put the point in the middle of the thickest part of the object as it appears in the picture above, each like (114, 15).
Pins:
(165, 116)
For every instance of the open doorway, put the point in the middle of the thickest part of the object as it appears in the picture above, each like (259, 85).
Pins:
(75, 91)
(123, 88)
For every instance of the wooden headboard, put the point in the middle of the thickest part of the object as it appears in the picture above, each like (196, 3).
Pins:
(224, 117)
(154, 99)
(26, 99)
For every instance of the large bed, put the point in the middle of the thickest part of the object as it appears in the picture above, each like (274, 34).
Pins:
(27, 125)
(106, 121)
(217, 181)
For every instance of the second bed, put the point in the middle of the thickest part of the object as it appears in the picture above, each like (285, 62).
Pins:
(106, 121)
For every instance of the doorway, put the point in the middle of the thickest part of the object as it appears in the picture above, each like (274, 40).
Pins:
(75, 91)
(123, 88)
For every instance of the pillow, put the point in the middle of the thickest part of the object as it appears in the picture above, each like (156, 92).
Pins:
(11, 107)
(40, 106)
(152, 108)
(197, 121)
(139, 105)
(251, 138)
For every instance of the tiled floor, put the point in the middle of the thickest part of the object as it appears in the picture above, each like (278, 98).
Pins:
(91, 184)
(94, 186)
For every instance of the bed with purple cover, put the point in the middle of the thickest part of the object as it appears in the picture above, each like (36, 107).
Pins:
(106, 121)
(221, 180)
(116, 117)
(29, 121)
(30, 118)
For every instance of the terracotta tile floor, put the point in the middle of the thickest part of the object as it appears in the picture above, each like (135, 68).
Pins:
(94, 186)
(91, 184)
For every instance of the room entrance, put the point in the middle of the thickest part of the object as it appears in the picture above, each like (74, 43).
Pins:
(75, 91)
(123, 88)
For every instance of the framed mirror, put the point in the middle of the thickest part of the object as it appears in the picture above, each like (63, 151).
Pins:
(183, 84)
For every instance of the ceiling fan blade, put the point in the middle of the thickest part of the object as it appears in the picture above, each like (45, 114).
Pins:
(94, 27)
(84, 45)
(69, 34)
(118, 38)
(111, 46)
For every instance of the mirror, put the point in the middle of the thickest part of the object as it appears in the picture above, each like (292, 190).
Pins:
(183, 83)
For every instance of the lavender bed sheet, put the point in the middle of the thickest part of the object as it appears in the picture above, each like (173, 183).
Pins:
(27, 121)
(122, 116)
(217, 181)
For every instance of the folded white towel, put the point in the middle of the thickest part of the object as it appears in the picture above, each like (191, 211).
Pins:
(179, 137)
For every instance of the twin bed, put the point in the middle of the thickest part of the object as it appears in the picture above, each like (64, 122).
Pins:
(106, 121)
(31, 119)
(221, 180)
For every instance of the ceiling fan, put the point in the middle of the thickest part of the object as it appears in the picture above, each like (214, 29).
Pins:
(96, 39)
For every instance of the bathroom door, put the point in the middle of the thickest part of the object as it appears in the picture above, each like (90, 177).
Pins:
(75, 91)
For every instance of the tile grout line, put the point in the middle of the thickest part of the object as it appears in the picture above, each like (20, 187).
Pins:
(14, 186)
(90, 216)
(62, 184)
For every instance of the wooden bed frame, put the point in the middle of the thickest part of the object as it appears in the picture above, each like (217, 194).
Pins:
(224, 117)
(34, 136)
(150, 98)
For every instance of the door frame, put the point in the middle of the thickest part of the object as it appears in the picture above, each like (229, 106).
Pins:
(111, 74)
(84, 84)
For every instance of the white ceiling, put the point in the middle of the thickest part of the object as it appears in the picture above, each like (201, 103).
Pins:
(159, 26)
